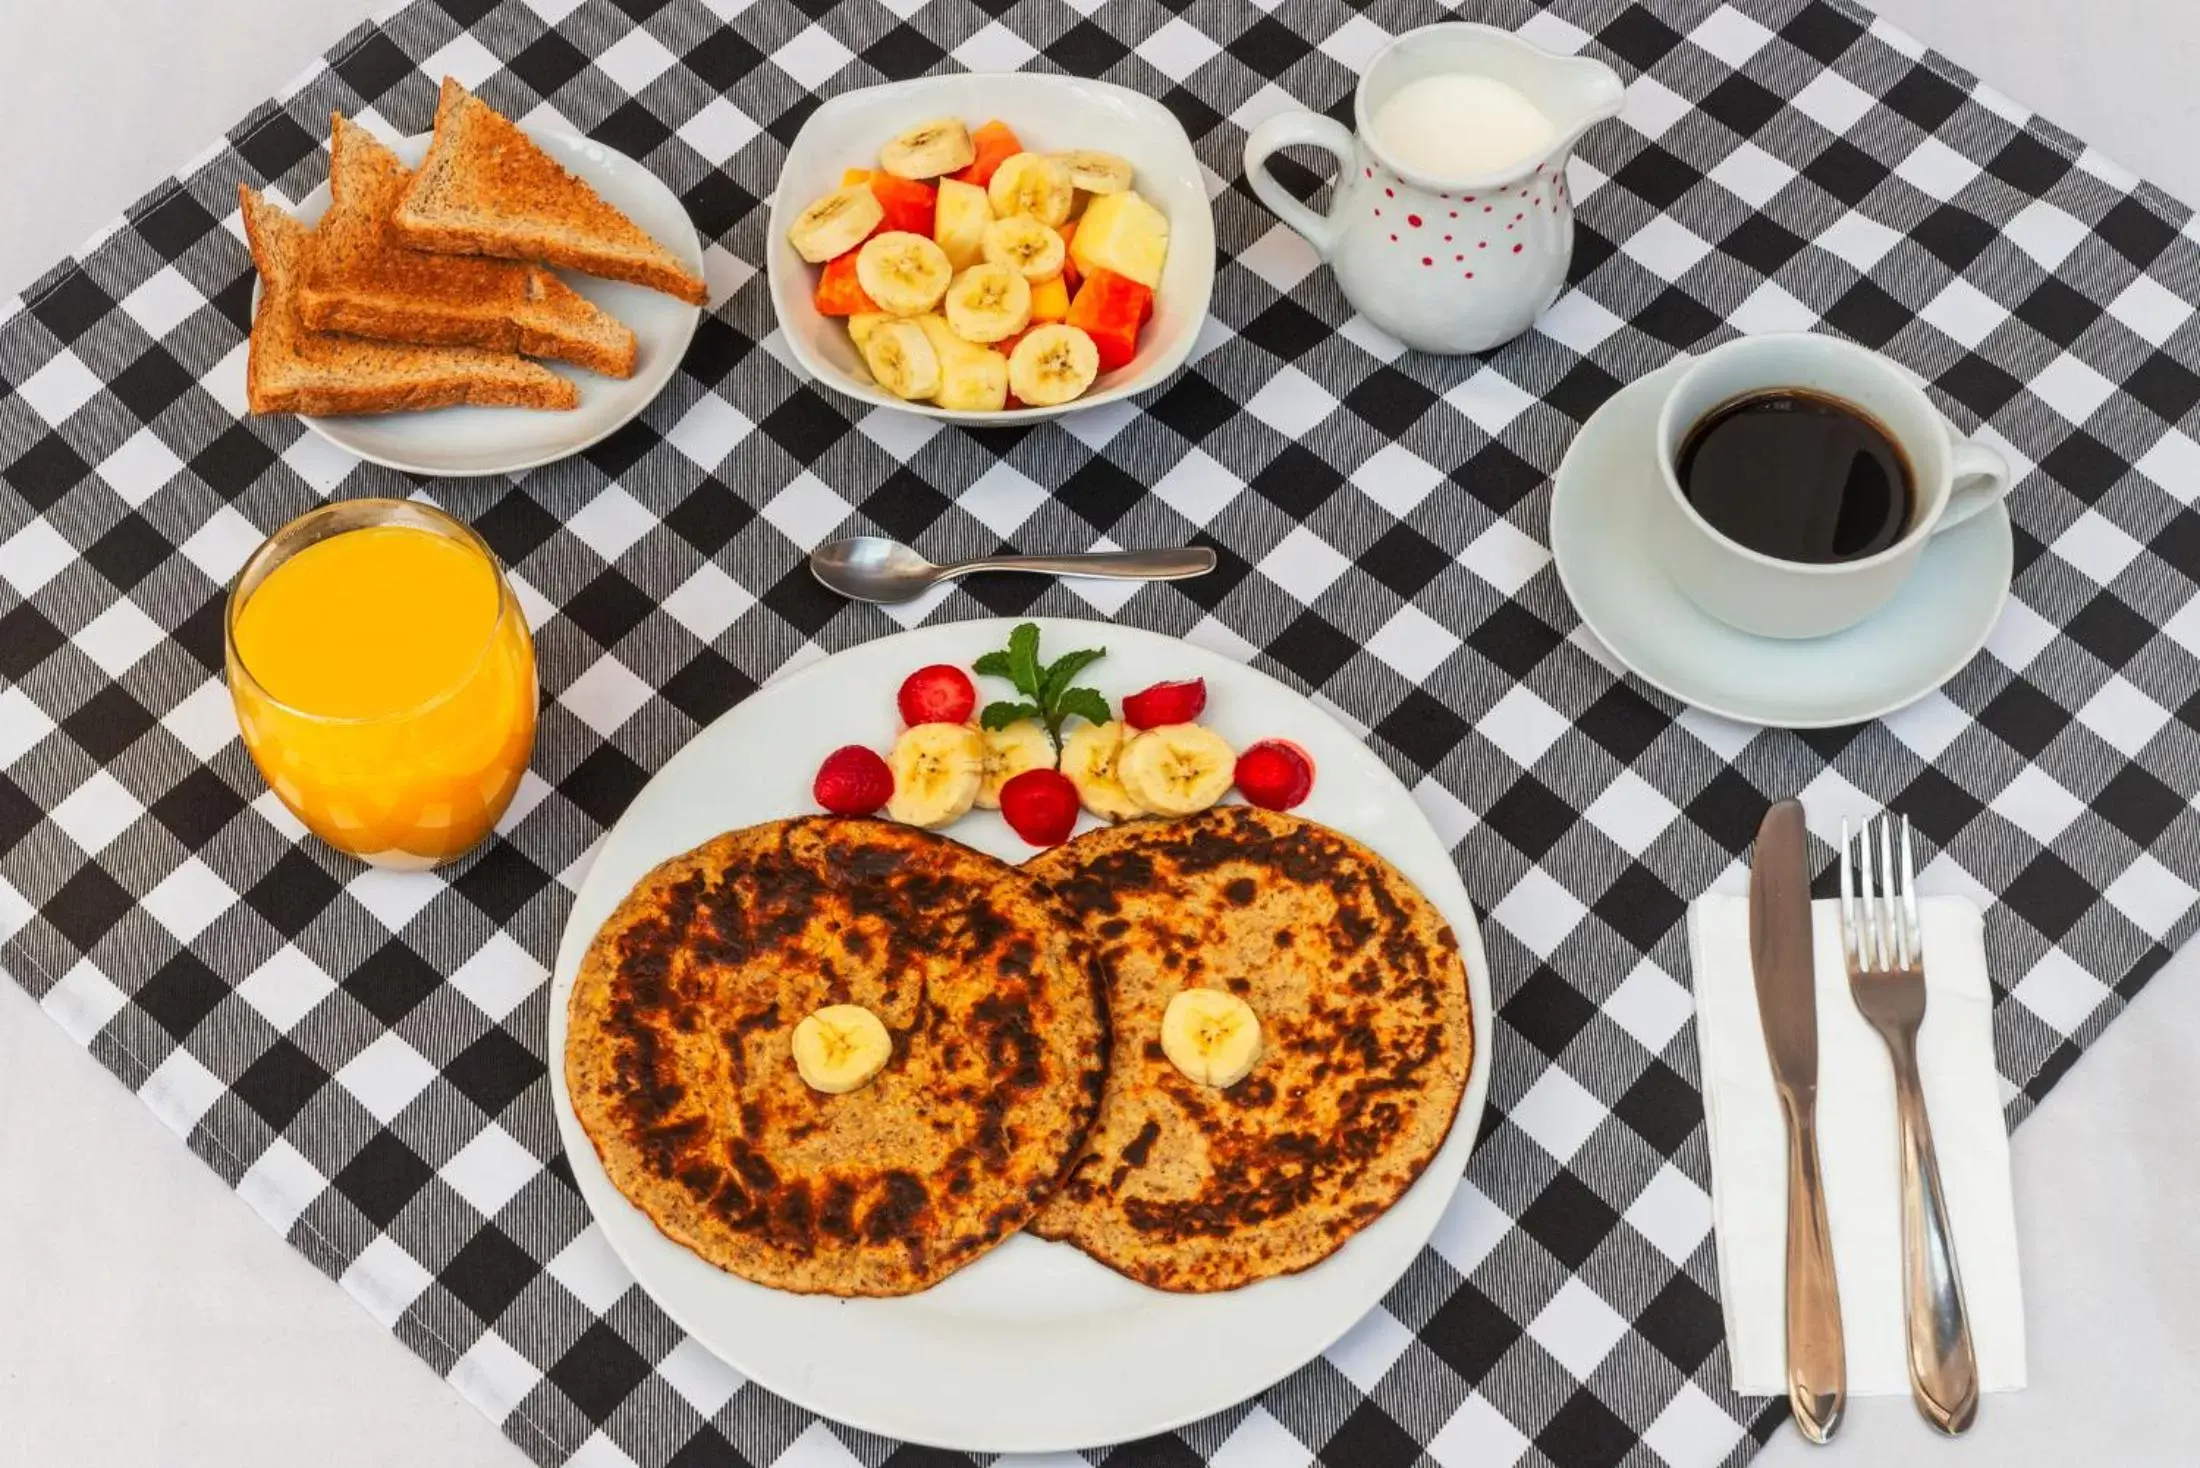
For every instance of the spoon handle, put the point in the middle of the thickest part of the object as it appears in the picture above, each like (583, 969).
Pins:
(1150, 565)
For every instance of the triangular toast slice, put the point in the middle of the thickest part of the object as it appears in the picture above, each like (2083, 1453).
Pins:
(365, 282)
(292, 368)
(485, 188)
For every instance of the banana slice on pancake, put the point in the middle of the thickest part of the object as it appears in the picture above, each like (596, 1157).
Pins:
(840, 1048)
(1211, 1035)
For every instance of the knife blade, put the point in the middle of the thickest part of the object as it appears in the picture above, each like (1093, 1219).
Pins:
(1780, 948)
(1780, 952)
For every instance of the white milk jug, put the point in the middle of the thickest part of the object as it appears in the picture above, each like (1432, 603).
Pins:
(1451, 227)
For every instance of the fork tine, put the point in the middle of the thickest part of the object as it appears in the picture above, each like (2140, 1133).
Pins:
(1897, 894)
(1849, 935)
(1909, 895)
(1888, 921)
(1866, 953)
(1875, 863)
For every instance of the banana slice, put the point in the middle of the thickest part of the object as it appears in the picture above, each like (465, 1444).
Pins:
(835, 224)
(959, 217)
(1009, 752)
(937, 771)
(901, 358)
(930, 149)
(1089, 760)
(1034, 184)
(1052, 364)
(1177, 769)
(1096, 172)
(840, 1048)
(987, 303)
(1025, 246)
(1211, 1035)
(904, 273)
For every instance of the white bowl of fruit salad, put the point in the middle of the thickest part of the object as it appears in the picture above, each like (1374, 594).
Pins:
(938, 244)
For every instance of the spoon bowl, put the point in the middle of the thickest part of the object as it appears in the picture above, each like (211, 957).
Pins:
(872, 568)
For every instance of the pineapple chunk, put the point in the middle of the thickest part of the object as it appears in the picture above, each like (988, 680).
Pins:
(972, 378)
(977, 383)
(860, 324)
(1049, 300)
(1122, 233)
(959, 221)
(944, 340)
(849, 177)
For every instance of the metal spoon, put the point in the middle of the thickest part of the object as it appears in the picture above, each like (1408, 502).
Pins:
(873, 568)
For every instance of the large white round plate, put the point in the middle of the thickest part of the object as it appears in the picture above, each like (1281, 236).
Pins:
(1034, 1348)
(458, 442)
(1921, 639)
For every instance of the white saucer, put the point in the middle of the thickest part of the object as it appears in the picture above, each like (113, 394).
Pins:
(1934, 626)
(457, 442)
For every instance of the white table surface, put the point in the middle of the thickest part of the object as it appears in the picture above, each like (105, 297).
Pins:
(149, 1319)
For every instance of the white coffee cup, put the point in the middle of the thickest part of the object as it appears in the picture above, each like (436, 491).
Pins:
(1951, 479)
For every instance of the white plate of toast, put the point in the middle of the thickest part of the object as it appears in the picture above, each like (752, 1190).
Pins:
(481, 300)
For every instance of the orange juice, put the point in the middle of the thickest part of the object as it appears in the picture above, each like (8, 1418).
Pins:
(384, 679)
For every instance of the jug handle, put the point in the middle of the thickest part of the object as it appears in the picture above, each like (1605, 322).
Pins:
(1286, 130)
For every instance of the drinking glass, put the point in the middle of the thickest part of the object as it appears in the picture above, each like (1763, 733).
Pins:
(411, 788)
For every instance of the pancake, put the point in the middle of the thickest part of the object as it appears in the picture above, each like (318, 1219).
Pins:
(1366, 1033)
(679, 1063)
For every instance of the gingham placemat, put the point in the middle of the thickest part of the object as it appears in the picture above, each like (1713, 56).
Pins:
(361, 1054)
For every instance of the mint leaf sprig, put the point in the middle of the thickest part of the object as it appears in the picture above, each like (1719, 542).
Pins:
(1049, 690)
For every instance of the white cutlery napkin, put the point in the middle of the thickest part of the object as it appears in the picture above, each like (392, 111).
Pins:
(1858, 1150)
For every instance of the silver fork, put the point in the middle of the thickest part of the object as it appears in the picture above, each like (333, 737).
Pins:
(1882, 942)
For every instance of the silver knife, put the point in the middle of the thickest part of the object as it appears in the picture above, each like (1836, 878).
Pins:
(1780, 951)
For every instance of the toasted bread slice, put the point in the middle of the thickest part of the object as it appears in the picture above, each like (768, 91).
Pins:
(366, 283)
(292, 368)
(485, 188)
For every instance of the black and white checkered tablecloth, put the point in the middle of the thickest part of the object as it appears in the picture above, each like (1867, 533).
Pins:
(361, 1054)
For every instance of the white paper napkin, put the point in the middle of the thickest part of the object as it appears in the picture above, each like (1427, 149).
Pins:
(1858, 1150)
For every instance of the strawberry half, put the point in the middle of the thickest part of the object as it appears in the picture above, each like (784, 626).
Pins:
(1275, 774)
(853, 781)
(1040, 806)
(1165, 703)
(940, 694)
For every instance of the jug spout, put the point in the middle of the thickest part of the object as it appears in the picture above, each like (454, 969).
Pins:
(1583, 92)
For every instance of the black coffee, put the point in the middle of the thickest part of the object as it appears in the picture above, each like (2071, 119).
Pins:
(1797, 476)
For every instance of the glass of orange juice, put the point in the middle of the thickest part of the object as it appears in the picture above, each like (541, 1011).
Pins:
(384, 679)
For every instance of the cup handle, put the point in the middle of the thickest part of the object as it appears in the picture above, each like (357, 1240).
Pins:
(1283, 131)
(1979, 476)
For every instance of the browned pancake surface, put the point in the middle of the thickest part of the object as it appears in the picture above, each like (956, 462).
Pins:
(1367, 1042)
(679, 1063)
